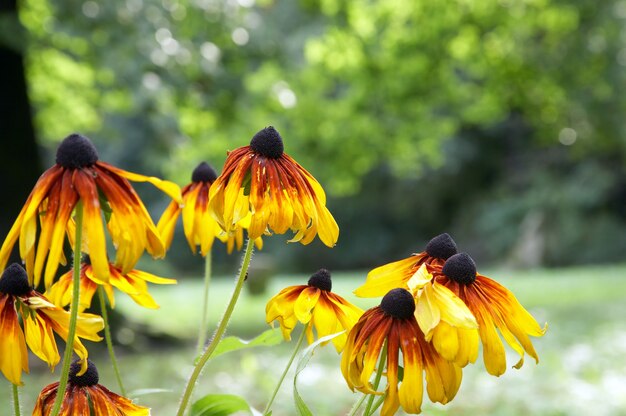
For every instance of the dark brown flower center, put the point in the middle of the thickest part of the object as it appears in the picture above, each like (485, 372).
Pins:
(204, 173)
(398, 303)
(90, 378)
(268, 142)
(321, 280)
(441, 247)
(14, 281)
(76, 151)
(460, 268)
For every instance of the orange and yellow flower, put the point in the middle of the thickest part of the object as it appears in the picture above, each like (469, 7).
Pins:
(199, 226)
(134, 284)
(313, 305)
(495, 309)
(393, 275)
(40, 320)
(84, 397)
(78, 175)
(262, 180)
(393, 323)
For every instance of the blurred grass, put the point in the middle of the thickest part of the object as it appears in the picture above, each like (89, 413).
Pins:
(582, 369)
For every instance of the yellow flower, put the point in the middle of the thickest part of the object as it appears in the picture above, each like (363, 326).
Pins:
(445, 320)
(262, 180)
(133, 283)
(495, 308)
(314, 305)
(79, 175)
(393, 323)
(393, 275)
(40, 319)
(199, 226)
(83, 394)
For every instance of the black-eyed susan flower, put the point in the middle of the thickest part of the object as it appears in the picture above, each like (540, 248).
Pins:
(40, 320)
(199, 226)
(393, 323)
(262, 180)
(78, 175)
(85, 397)
(495, 309)
(444, 319)
(313, 305)
(134, 284)
(393, 275)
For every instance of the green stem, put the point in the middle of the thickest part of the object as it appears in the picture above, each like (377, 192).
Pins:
(221, 328)
(16, 401)
(357, 405)
(109, 339)
(205, 304)
(380, 401)
(71, 332)
(379, 374)
(282, 377)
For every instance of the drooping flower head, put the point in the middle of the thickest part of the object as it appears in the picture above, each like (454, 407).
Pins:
(40, 320)
(495, 309)
(393, 275)
(134, 284)
(78, 175)
(313, 305)
(84, 394)
(262, 180)
(199, 226)
(393, 323)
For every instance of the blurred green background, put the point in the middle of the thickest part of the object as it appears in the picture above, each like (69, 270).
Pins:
(498, 121)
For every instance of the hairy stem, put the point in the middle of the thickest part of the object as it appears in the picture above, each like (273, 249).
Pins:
(219, 333)
(71, 333)
(109, 339)
(204, 319)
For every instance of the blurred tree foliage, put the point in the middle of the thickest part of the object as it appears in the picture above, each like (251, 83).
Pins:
(500, 121)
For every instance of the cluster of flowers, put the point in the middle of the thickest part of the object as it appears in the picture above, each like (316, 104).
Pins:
(435, 307)
(434, 310)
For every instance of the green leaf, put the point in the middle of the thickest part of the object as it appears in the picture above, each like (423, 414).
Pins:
(301, 407)
(266, 339)
(219, 405)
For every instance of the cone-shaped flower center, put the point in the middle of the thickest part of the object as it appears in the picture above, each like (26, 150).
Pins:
(398, 303)
(76, 151)
(321, 280)
(268, 142)
(14, 281)
(90, 378)
(460, 268)
(204, 173)
(441, 247)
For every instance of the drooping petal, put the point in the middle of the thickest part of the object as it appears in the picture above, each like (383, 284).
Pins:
(13, 354)
(170, 188)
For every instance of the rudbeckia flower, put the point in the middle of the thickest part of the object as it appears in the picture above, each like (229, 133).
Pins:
(495, 308)
(78, 175)
(199, 226)
(262, 180)
(393, 275)
(84, 394)
(393, 323)
(314, 305)
(40, 319)
(133, 283)
(444, 318)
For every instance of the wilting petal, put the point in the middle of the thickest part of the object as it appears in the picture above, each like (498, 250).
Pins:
(13, 354)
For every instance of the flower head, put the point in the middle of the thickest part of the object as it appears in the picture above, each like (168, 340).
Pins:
(314, 305)
(393, 275)
(83, 394)
(262, 180)
(199, 226)
(134, 284)
(40, 320)
(393, 323)
(495, 309)
(78, 175)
